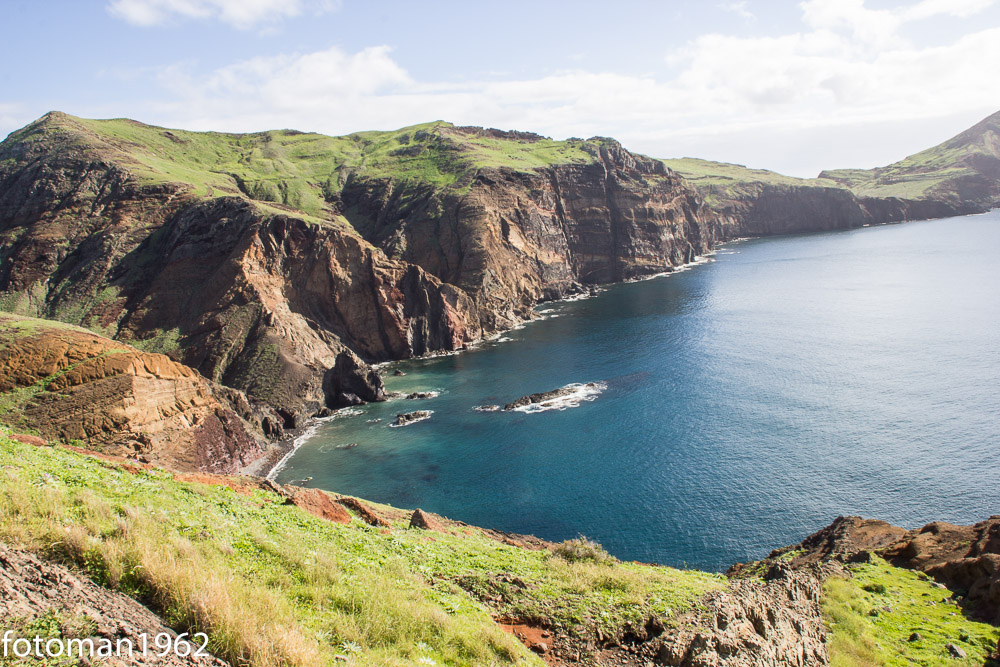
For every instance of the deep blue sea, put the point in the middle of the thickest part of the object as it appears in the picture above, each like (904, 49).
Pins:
(746, 403)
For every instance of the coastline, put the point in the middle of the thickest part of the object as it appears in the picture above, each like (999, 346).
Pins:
(269, 465)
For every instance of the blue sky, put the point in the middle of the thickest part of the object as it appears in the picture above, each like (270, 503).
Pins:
(790, 86)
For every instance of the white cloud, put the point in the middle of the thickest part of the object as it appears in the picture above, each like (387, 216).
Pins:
(879, 26)
(847, 67)
(930, 8)
(241, 14)
(739, 7)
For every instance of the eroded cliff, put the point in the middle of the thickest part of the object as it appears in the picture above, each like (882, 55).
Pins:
(280, 263)
(761, 203)
(69, 384)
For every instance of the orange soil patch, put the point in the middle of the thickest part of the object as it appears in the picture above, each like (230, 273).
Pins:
(535, 638)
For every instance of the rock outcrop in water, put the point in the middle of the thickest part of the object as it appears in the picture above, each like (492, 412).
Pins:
(544, 396)
(407, 418)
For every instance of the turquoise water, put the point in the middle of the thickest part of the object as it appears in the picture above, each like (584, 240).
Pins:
(748, 402)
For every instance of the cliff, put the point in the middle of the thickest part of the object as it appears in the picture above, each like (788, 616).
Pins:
(762, 203)
(69, 384)
(281, 263)
(958, 177)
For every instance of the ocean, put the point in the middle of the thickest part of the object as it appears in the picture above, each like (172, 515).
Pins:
(737, 406)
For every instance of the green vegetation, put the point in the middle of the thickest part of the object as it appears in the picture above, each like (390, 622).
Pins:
(273, 585)
(935, 168)
(925, 174)
(721, 181)
(582, 549)
(52, 625)
(286, 170)
(164, 341)
(705, 173)
(888, 616)
(912, 178)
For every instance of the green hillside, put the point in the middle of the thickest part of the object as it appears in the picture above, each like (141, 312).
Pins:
(298, 170)
(970, 154)
(708, 173)
(934, 172)
(274, 585)
(720, 182)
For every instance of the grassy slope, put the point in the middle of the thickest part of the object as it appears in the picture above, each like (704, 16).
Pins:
(719, 181)
(274, 585)
(872, 615)
(286, 169)
(708, 173)
(918, 175)
(296, 169)
(911, 178)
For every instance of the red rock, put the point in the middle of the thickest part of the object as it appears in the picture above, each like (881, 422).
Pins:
(421, 519)
(320, 504)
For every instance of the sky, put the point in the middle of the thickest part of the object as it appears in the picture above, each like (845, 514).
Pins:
(795, 87)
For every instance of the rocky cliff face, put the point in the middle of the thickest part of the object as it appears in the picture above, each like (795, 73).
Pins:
(514, 237)
(269, 300)
(776, 622)
(764, 210)
(71, 385)
(281, 264)
(966, 559)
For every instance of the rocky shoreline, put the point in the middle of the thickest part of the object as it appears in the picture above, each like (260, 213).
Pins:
(280, 452)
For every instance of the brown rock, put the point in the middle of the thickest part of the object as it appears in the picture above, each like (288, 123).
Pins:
(965, 558)
(118, 400)
(846, 539)
(541, 648)
(28, 439)
(320, 504)
(365, 513)
(421, 519)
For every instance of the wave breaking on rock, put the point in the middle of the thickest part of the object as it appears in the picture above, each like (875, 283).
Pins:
(570, 396)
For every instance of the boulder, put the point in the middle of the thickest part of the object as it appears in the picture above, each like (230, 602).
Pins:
(425, 521)
(406, 418)
(351, 382)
